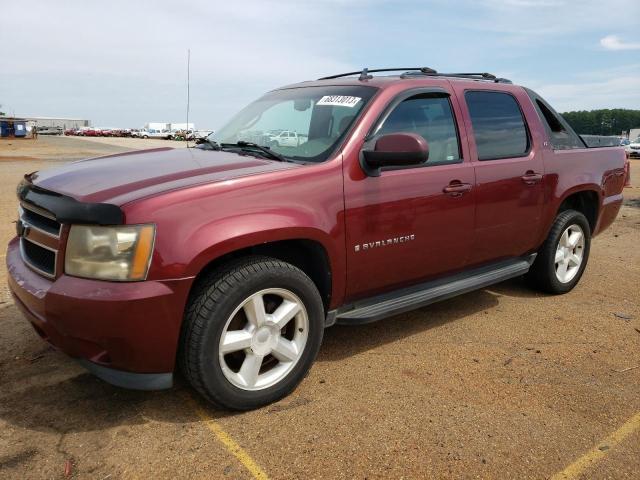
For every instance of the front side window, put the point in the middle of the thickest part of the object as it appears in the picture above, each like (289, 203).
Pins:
(304, 124)
(498, 125)
(430, 116)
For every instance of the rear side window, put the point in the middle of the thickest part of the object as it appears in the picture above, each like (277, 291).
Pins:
(498, 125)
(429, 116)
(561, 135)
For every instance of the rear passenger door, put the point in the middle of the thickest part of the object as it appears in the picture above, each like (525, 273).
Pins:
(509, 171)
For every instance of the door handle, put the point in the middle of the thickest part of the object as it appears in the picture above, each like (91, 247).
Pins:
(531, 177)
(455, 188)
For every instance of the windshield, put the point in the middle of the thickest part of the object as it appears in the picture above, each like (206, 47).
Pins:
(299, 123)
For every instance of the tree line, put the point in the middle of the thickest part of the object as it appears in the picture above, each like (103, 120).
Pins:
(603, 122)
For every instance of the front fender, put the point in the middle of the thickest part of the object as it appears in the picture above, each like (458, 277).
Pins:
(222, 237)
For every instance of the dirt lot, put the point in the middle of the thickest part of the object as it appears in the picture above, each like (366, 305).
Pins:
(500, 383)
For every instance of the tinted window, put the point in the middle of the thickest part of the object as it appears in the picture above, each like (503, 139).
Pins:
(430, 117)
(498, 126)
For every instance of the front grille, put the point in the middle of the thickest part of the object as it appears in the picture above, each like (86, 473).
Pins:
(39, 239)
(41, 222)
(40, 258)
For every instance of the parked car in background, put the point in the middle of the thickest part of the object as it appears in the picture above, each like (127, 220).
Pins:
(288, 138)
(142, 133)
(152, 133)
(49, 130)
(181, 135)
(633, 149)
(164, 134)
(198, 134)
(70, 132)
(89, 132)
(229, 260)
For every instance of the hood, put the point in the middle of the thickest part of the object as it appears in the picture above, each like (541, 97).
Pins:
(121, 178)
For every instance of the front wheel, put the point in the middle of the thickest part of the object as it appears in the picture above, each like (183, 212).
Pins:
(251, 333)
(563, 257)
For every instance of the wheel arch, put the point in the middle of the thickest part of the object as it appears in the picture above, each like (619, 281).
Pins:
(585, 200)
(308, 254)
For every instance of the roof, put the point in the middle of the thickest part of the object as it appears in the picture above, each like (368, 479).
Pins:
(46, 118)
(12, 119)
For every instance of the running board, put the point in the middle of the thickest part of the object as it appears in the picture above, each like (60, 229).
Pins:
(404, 300)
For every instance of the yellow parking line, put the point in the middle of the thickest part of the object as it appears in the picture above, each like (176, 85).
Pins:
(229, 443)
(596, 453)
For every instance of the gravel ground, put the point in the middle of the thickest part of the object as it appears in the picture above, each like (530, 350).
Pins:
(500, 383)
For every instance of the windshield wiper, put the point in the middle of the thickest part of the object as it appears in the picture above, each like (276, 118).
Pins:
(265, 150)
(213, 145)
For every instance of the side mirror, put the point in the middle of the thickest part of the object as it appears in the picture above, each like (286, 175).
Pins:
(395, 150)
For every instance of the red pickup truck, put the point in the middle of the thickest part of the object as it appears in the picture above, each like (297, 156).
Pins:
(229, 259)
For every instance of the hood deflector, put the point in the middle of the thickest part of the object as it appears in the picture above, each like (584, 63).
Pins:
(67, 209)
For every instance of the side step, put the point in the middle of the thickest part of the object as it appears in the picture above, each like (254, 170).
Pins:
(404, 300)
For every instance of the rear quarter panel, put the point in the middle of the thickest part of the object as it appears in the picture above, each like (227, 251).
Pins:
(601, 170)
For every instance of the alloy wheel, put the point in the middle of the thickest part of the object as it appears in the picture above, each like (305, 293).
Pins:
(263, 339)
(569, 253)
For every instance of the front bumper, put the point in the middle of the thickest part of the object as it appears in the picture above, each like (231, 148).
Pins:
(125, 333)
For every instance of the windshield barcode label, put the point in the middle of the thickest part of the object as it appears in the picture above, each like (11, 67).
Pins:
(339, 100)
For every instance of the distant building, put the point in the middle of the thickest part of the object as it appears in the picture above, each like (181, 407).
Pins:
(13, 127)
(63, 123)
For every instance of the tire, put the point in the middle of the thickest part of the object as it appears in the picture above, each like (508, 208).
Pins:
(145, 136)
(219, 305)
(565, 245)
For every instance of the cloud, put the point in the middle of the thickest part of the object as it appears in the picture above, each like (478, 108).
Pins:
(544, 21)
(617, 91)
(126, 65)
(613, 42)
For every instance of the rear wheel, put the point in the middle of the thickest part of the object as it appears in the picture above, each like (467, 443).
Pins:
(563, 257)
(251, 333)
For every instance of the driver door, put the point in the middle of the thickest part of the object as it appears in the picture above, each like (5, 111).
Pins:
(407, 225)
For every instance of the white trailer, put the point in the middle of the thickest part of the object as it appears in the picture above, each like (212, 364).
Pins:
(157, 126)
(182, 126)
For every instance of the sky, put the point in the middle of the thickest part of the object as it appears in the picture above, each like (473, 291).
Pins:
(124, 63)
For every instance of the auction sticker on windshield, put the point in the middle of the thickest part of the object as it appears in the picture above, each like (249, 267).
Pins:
(339, 100)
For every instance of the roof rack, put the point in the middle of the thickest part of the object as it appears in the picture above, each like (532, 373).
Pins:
(418, 71)
(364, 73)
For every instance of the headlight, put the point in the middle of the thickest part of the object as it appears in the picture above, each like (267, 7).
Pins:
(121, 253)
